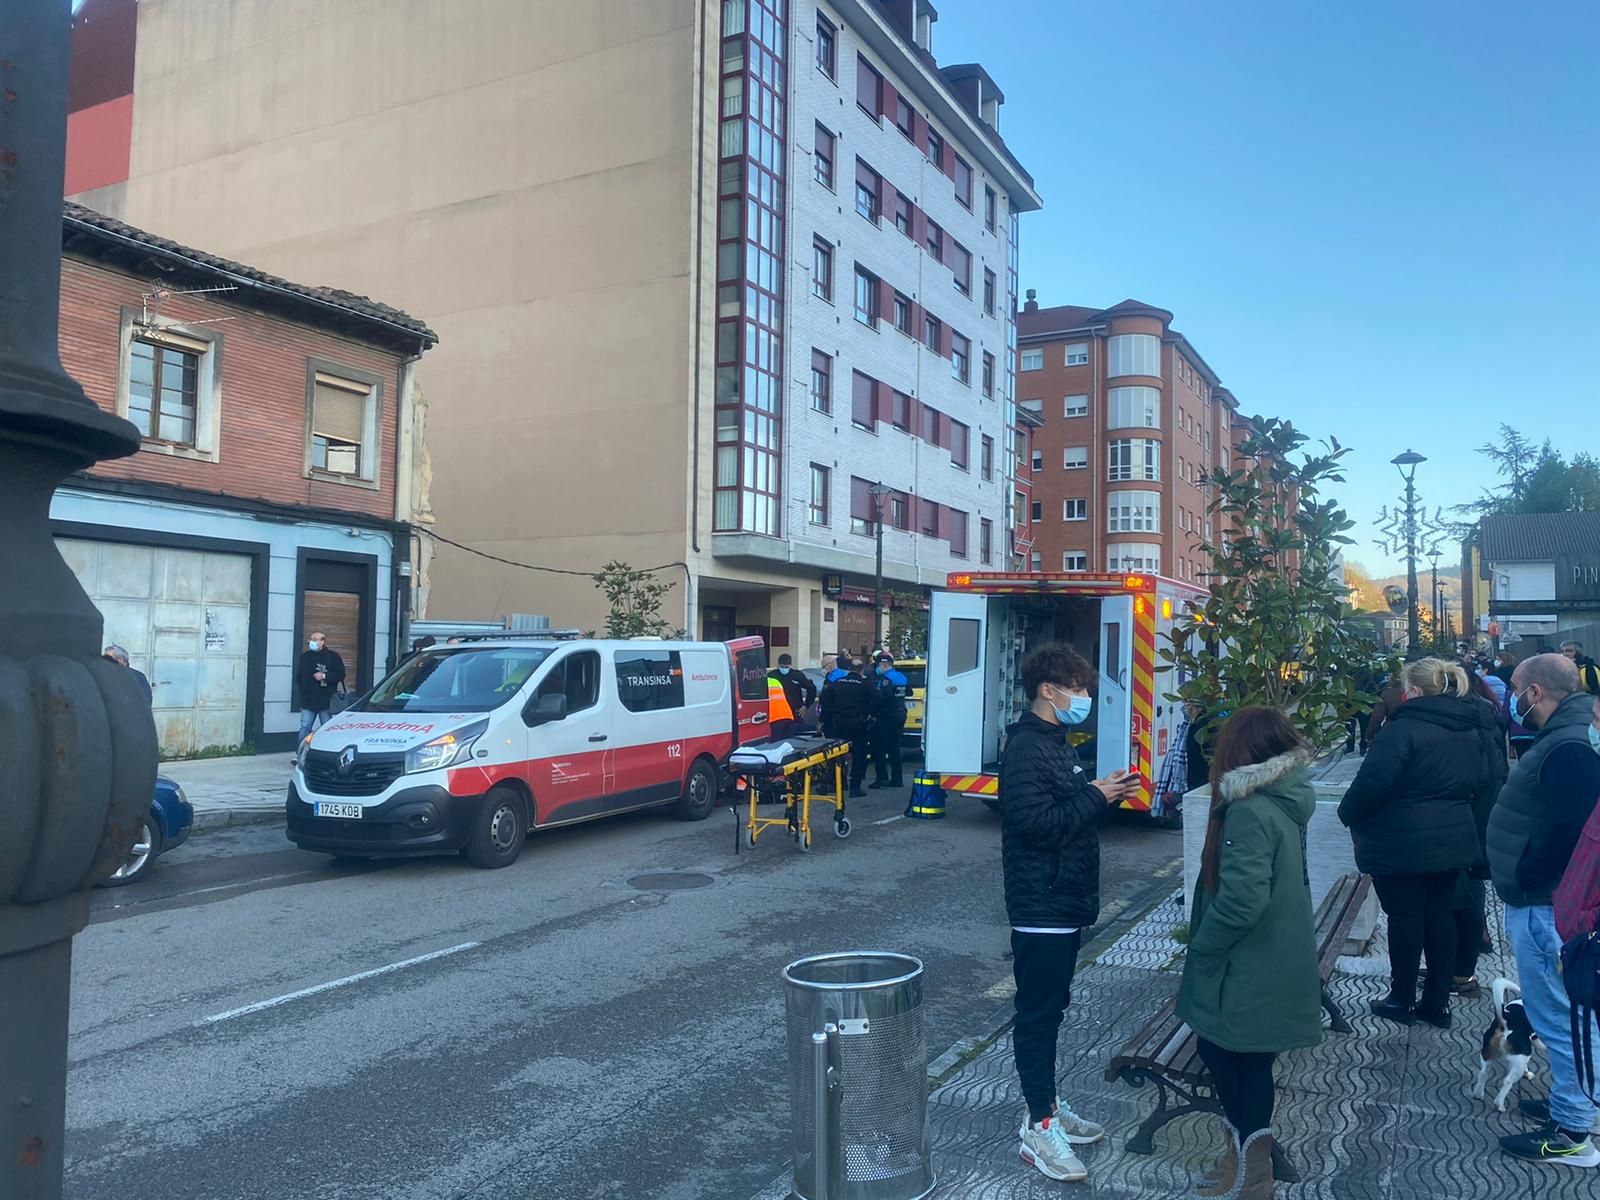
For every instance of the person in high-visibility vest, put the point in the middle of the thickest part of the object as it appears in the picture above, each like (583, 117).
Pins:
(781, 720)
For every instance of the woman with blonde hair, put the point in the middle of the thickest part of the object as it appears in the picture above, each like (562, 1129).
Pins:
(1250, 987)
(1416, 813)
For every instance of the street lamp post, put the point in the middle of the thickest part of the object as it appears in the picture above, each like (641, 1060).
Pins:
(1407, 465)
(78, 758)
(878, 491)
(1433, 591)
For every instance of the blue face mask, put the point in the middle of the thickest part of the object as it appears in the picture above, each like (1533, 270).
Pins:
(1594, 738)
(783, 670)
(1076, 712)
(1517, 713)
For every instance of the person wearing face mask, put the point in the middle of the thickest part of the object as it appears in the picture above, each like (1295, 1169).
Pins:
(1533, 832)
(1050, 813)
(797, 688)
(317, 677)
(891, 687)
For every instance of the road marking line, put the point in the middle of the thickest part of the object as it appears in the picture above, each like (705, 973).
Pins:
(886, 820)
(336, 983)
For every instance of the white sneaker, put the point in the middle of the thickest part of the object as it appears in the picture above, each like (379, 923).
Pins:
(1045, 1145)
(1077, 1130)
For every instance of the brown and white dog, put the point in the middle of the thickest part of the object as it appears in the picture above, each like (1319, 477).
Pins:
(1510, 1039)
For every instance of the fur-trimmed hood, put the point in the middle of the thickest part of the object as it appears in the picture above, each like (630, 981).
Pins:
(1282, 778)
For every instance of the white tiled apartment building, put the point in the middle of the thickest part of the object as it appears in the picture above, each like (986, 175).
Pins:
(900, 294)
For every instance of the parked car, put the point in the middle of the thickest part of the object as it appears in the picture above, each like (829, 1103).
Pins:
(916, 672)
(166, 826)
(467, 747)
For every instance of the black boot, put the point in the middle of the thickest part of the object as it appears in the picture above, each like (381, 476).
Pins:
(1397, 1006)
(1438, 1017)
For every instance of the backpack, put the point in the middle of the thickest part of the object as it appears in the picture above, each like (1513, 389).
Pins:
(1580, 971)
(1576, 906)
(1576, 902)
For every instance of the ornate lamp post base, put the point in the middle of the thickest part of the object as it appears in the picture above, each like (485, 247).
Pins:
(77, 762)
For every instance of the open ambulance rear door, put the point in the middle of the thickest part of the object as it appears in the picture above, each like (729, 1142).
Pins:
(952, 733)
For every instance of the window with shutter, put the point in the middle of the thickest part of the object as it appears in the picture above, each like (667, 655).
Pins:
(869, 88)
(956, 521)
(339, 425)
(861, 521)
(861, 399)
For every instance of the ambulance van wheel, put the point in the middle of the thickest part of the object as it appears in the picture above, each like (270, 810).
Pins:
(699, 794)
(498, 831)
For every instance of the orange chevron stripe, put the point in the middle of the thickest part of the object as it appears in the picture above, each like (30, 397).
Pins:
(971, 785)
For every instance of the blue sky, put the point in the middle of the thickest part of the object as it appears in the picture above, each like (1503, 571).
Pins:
(1379, 220)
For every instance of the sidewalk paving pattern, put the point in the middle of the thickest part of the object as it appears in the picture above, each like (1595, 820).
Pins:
(246, 790)
(1384, 1113)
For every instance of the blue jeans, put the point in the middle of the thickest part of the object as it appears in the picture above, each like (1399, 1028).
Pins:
(308, 722)
(1537, 948)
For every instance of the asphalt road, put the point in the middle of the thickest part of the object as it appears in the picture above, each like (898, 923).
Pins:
(574, 1036)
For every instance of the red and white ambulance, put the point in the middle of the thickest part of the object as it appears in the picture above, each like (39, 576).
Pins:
(981, 625)
(469, 746)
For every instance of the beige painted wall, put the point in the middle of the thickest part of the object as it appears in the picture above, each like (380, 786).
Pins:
(518, 173)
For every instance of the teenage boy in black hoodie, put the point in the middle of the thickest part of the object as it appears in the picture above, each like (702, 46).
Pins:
(1050, 815)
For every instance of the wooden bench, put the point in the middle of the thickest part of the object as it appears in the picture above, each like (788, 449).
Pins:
(1167, 1053)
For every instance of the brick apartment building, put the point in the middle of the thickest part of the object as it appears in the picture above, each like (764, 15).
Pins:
(705, 272)
(273, 490)
(1130, 421)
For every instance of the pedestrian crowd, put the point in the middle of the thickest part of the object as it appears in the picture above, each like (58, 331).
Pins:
(1438, 812)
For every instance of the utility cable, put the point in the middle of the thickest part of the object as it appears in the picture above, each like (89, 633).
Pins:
(511, 562)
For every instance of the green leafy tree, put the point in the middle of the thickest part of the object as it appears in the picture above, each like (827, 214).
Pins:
(635, 598)
(908, 626)
(1275, 627)
(1536, 479)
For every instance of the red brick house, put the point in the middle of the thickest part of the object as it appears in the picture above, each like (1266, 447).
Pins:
(274, 490)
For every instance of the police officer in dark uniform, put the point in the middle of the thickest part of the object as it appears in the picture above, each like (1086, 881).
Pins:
(891, 688)
(848, 705)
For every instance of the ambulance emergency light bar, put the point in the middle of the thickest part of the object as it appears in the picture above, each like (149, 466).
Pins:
(979, 580)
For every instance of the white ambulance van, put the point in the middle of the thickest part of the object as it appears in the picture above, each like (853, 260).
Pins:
(469, 746)
(981, 626)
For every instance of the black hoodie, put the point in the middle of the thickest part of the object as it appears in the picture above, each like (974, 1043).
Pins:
(1049, 829)
(1422, 797)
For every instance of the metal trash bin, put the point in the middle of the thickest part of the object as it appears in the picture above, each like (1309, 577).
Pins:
(856, 1019)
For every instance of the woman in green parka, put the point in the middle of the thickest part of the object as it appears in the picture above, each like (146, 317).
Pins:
(1250, 984)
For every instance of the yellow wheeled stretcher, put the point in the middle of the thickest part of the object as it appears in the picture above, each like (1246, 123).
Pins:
(791, 771)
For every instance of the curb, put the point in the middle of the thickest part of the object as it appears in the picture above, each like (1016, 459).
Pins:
(967, 1048)
(1106, 934)
(205, 821)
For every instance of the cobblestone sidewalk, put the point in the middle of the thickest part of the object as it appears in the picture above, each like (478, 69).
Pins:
(1384, 1113)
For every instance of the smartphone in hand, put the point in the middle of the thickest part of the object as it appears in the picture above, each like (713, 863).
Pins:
(1117, 786)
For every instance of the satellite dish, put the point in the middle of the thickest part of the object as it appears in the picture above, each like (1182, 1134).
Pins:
(1395, 596)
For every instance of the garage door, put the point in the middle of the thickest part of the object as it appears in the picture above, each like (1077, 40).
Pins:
(184, 617)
